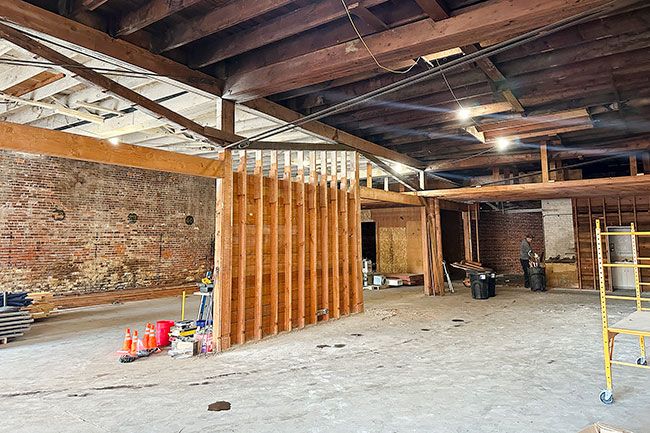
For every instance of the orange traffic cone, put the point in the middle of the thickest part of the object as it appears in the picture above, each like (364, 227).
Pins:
(152, 337)
(134, 343)
(145, 340)
(126, 346)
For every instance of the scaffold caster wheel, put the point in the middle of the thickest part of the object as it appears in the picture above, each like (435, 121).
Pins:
(607, 397)
(641, 361)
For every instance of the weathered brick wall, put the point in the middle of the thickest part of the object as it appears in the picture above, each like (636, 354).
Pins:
(501, 234)
(95, 247)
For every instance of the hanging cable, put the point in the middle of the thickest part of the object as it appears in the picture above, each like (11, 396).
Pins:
(356, 30)
(426, 75)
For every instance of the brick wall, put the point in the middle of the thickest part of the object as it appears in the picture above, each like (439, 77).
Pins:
(95, 247)
(501, 234)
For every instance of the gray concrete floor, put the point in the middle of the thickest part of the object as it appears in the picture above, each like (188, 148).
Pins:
(520, 362)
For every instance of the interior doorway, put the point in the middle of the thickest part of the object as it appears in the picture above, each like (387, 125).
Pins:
(369, 241)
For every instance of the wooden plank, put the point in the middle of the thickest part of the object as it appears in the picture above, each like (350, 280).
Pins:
(355, 229)
(436, 10)
(592, 241)
(343, 232)
(369, 175)
(91, 5)
(288, 243)
(334, 237)
(467, 235)
(258, 200)
(646, 162)
(389, 196)
(75, 300)
(96, 79)
(38, 19)
(243, 253)
(223, 257)
(149, 13)
(313, 233)
(544, 161)
(623, 185)
(31, 84)
(325, 237)
(300, 220)
(217, 19)
(274, 241)
(39, 141)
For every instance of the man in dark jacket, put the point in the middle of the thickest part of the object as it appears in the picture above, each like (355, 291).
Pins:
(524, 256)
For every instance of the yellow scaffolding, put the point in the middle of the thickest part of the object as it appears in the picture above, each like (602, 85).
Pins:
(637, 323)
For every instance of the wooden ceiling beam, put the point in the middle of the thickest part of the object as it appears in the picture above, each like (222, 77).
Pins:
(624, 185)
(48, 23)
(37, 19)
(436, 9)
(284, 26)
(218, 19)
(39, 141)
(402, 43)
(29, 85)
(149, 13)
(96, 79)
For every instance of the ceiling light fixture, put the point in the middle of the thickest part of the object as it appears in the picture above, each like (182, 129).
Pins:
(114, 141)
(463, 114)
(502, 144)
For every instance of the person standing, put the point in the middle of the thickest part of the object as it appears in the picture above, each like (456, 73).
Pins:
(525, 251)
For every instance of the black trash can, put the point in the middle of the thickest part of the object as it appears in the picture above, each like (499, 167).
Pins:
(480, 284)
(537, 278)
(492, 285)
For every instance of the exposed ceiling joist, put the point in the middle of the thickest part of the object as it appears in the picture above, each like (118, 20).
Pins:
(97, 79)
(149, 13)
(406, 42)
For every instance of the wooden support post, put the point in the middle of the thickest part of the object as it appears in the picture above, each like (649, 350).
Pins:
(476, 218)
(369, 174)
(343, 227)
(646, 162)
(496, 174)
(591, 240)
(355, 238)
(467, 235)
(313, 234)
(576, 232)
(325, 239)
(427, 263)
(241, 222)
(274, 241)
(334, 237)
(258, 200)
(222, 272)
(287, 206)
(544, 161)
(634, 169)
(439, 277)
(386, 184)
(300, 208)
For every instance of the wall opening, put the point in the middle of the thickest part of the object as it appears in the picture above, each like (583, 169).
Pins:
(369, 241)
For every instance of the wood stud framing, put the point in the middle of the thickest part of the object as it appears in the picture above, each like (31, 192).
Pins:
(295, 243)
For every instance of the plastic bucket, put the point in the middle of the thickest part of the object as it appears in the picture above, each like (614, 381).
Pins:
(162, 332)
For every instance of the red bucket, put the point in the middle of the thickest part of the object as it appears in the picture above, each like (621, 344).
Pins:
(162, 332)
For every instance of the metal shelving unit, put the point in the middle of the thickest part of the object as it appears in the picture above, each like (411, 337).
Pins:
(636, 323)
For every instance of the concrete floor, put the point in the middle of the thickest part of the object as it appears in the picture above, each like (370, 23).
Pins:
(520, 362)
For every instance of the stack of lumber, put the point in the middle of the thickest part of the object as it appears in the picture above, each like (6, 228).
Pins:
(469, 266)
(409, 279)
(14, 324)
(14, 299)
(73, 300)
(42, 304)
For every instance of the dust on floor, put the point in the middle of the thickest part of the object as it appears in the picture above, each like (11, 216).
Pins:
(520, 362)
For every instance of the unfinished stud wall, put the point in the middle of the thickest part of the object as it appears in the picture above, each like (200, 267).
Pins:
(612, 211)
(95, 247)
(295, 250)
(500, 236)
